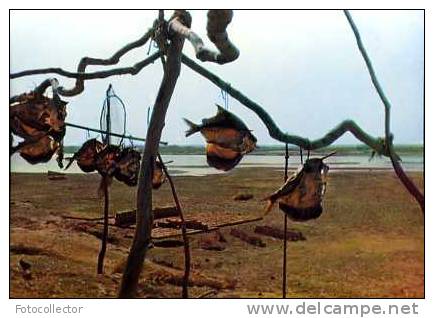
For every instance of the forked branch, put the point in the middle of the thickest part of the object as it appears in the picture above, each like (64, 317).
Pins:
(218, 20)
(81, 74)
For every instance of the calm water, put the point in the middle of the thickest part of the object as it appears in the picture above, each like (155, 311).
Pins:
(195, 165)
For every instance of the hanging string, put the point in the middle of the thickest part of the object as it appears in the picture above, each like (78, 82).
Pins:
(308, 154)
(87, 134)
(148, 118)
(131, 142)
(225, 97)
(301, 155)
(111, 94)
(150, 45)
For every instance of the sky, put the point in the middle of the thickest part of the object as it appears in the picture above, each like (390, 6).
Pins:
(303, 67)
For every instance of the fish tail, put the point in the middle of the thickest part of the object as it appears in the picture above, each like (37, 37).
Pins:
(71, 160)
(193, 128)
(270, 203)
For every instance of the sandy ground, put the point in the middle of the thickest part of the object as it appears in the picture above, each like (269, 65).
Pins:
(369, 242)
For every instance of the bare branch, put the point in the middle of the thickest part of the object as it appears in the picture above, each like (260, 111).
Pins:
(218, 21)
(132, 70)
(114, 59)
(273, 129)
(406, 181)
(81, 76)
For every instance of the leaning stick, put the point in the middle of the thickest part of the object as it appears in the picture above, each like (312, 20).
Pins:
(187, 256)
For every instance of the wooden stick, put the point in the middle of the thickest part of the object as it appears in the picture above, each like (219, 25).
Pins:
(285, 226)
(212, 228)
(111, 133)
(187, 256)
(101, 255)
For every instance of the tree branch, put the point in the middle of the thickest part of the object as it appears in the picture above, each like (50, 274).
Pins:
(144, 221)
(218, 20)
(406, 181)
(273, 129)
(133, 70)
(114, 59)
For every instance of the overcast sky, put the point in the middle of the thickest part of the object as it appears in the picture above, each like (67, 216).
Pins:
(303, 67)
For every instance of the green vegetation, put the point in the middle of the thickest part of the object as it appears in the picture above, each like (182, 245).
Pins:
(279, 150)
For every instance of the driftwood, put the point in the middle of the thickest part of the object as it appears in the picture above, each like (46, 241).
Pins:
(248, 238)
(243, 197)
(126, 218)
(168, 243)
(279, 234)
(52, 175)
(212, 228)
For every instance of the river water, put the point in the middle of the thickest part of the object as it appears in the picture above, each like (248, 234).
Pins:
(195, 165)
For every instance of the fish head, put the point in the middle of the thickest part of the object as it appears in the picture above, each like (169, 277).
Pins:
(313, 165)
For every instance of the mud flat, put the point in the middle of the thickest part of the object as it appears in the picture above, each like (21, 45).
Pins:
(369, 242)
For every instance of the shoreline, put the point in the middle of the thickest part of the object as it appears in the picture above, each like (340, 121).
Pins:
(179, 171)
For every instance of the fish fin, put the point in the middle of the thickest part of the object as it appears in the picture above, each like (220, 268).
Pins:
(220, 109)
(193, 128)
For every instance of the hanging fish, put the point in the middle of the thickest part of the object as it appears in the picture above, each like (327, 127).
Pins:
(222, 158)
(128, 166)
(39, 151)
(301, 196)
(106, 160)
(159, 177)
(33, 114)
(35, 117)
(86, 155)
(228, 138)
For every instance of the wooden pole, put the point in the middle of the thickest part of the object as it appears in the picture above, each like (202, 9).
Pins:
(101, 255)
(108, 119)
(142, 236)
(285, 243)
(187, 256)
(104, 184)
